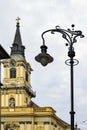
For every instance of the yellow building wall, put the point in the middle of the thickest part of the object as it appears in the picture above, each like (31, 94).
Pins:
(22, 116)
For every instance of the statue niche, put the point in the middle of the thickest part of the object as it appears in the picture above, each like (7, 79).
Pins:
(12, 103)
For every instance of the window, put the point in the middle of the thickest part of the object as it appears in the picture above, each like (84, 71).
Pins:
(26, 76)
(46, 123)
(26, 99)
(12, 73)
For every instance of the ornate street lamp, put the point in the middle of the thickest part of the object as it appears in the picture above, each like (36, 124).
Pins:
(44, 58)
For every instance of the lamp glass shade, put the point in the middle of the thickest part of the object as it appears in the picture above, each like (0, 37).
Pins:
(44, 58)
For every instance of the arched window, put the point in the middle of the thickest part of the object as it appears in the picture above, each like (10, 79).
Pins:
(12, 73)
(26, 76)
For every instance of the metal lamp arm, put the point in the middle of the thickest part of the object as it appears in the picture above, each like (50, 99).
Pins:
(79, 33)
(69, 35)
(64, 33)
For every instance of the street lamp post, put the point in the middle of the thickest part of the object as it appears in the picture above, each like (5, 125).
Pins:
(44, 58)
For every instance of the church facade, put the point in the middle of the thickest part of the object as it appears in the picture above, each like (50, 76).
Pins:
(18, 111)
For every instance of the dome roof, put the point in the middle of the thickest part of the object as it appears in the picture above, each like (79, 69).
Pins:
(17, 57)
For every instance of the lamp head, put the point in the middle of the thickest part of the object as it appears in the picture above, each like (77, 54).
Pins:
(44, 58)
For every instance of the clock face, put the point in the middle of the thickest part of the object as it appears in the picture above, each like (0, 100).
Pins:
(12, 63)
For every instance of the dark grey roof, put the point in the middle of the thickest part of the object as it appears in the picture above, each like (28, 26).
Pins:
(17, 47)
(17, 57)
(32, 104)
(3, 53)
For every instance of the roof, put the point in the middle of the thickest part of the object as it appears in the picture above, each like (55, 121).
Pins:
(17, 57)
(3, 53)
(32, 104)
(17, 47)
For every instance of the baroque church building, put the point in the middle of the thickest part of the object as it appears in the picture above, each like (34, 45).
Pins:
(18, 111)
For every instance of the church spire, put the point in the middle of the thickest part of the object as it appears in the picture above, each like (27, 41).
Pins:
(17, 47)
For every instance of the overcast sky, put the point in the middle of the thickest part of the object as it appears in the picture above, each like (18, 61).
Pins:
(52, 83)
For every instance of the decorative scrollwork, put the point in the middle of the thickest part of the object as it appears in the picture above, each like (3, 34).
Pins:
(11, 127)
(69, 35)
(75, 62)
(57, 27)
(52, 32)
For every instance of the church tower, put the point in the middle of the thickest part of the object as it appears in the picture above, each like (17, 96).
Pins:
(18, 111)
(17, 73)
